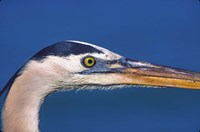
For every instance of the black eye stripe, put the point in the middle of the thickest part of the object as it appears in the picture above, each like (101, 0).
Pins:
(65, 48)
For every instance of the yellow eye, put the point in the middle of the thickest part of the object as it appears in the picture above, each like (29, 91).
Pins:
(89, 61)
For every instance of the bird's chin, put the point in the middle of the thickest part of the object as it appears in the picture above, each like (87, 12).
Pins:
(99, 86)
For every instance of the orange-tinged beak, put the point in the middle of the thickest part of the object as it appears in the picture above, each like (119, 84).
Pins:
(141, 73)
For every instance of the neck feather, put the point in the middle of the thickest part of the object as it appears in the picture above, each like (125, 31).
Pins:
(22, 105)
(21, 110)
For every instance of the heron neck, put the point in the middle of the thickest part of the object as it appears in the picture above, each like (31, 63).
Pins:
(22, 105)
(21, 109)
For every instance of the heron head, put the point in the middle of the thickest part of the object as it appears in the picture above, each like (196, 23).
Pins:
(79, 65)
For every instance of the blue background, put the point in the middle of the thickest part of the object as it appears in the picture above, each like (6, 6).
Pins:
(163, 32)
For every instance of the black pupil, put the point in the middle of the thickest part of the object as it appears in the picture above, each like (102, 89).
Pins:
(90, 61)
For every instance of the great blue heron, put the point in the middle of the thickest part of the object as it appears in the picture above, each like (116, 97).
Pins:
(78, 65)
